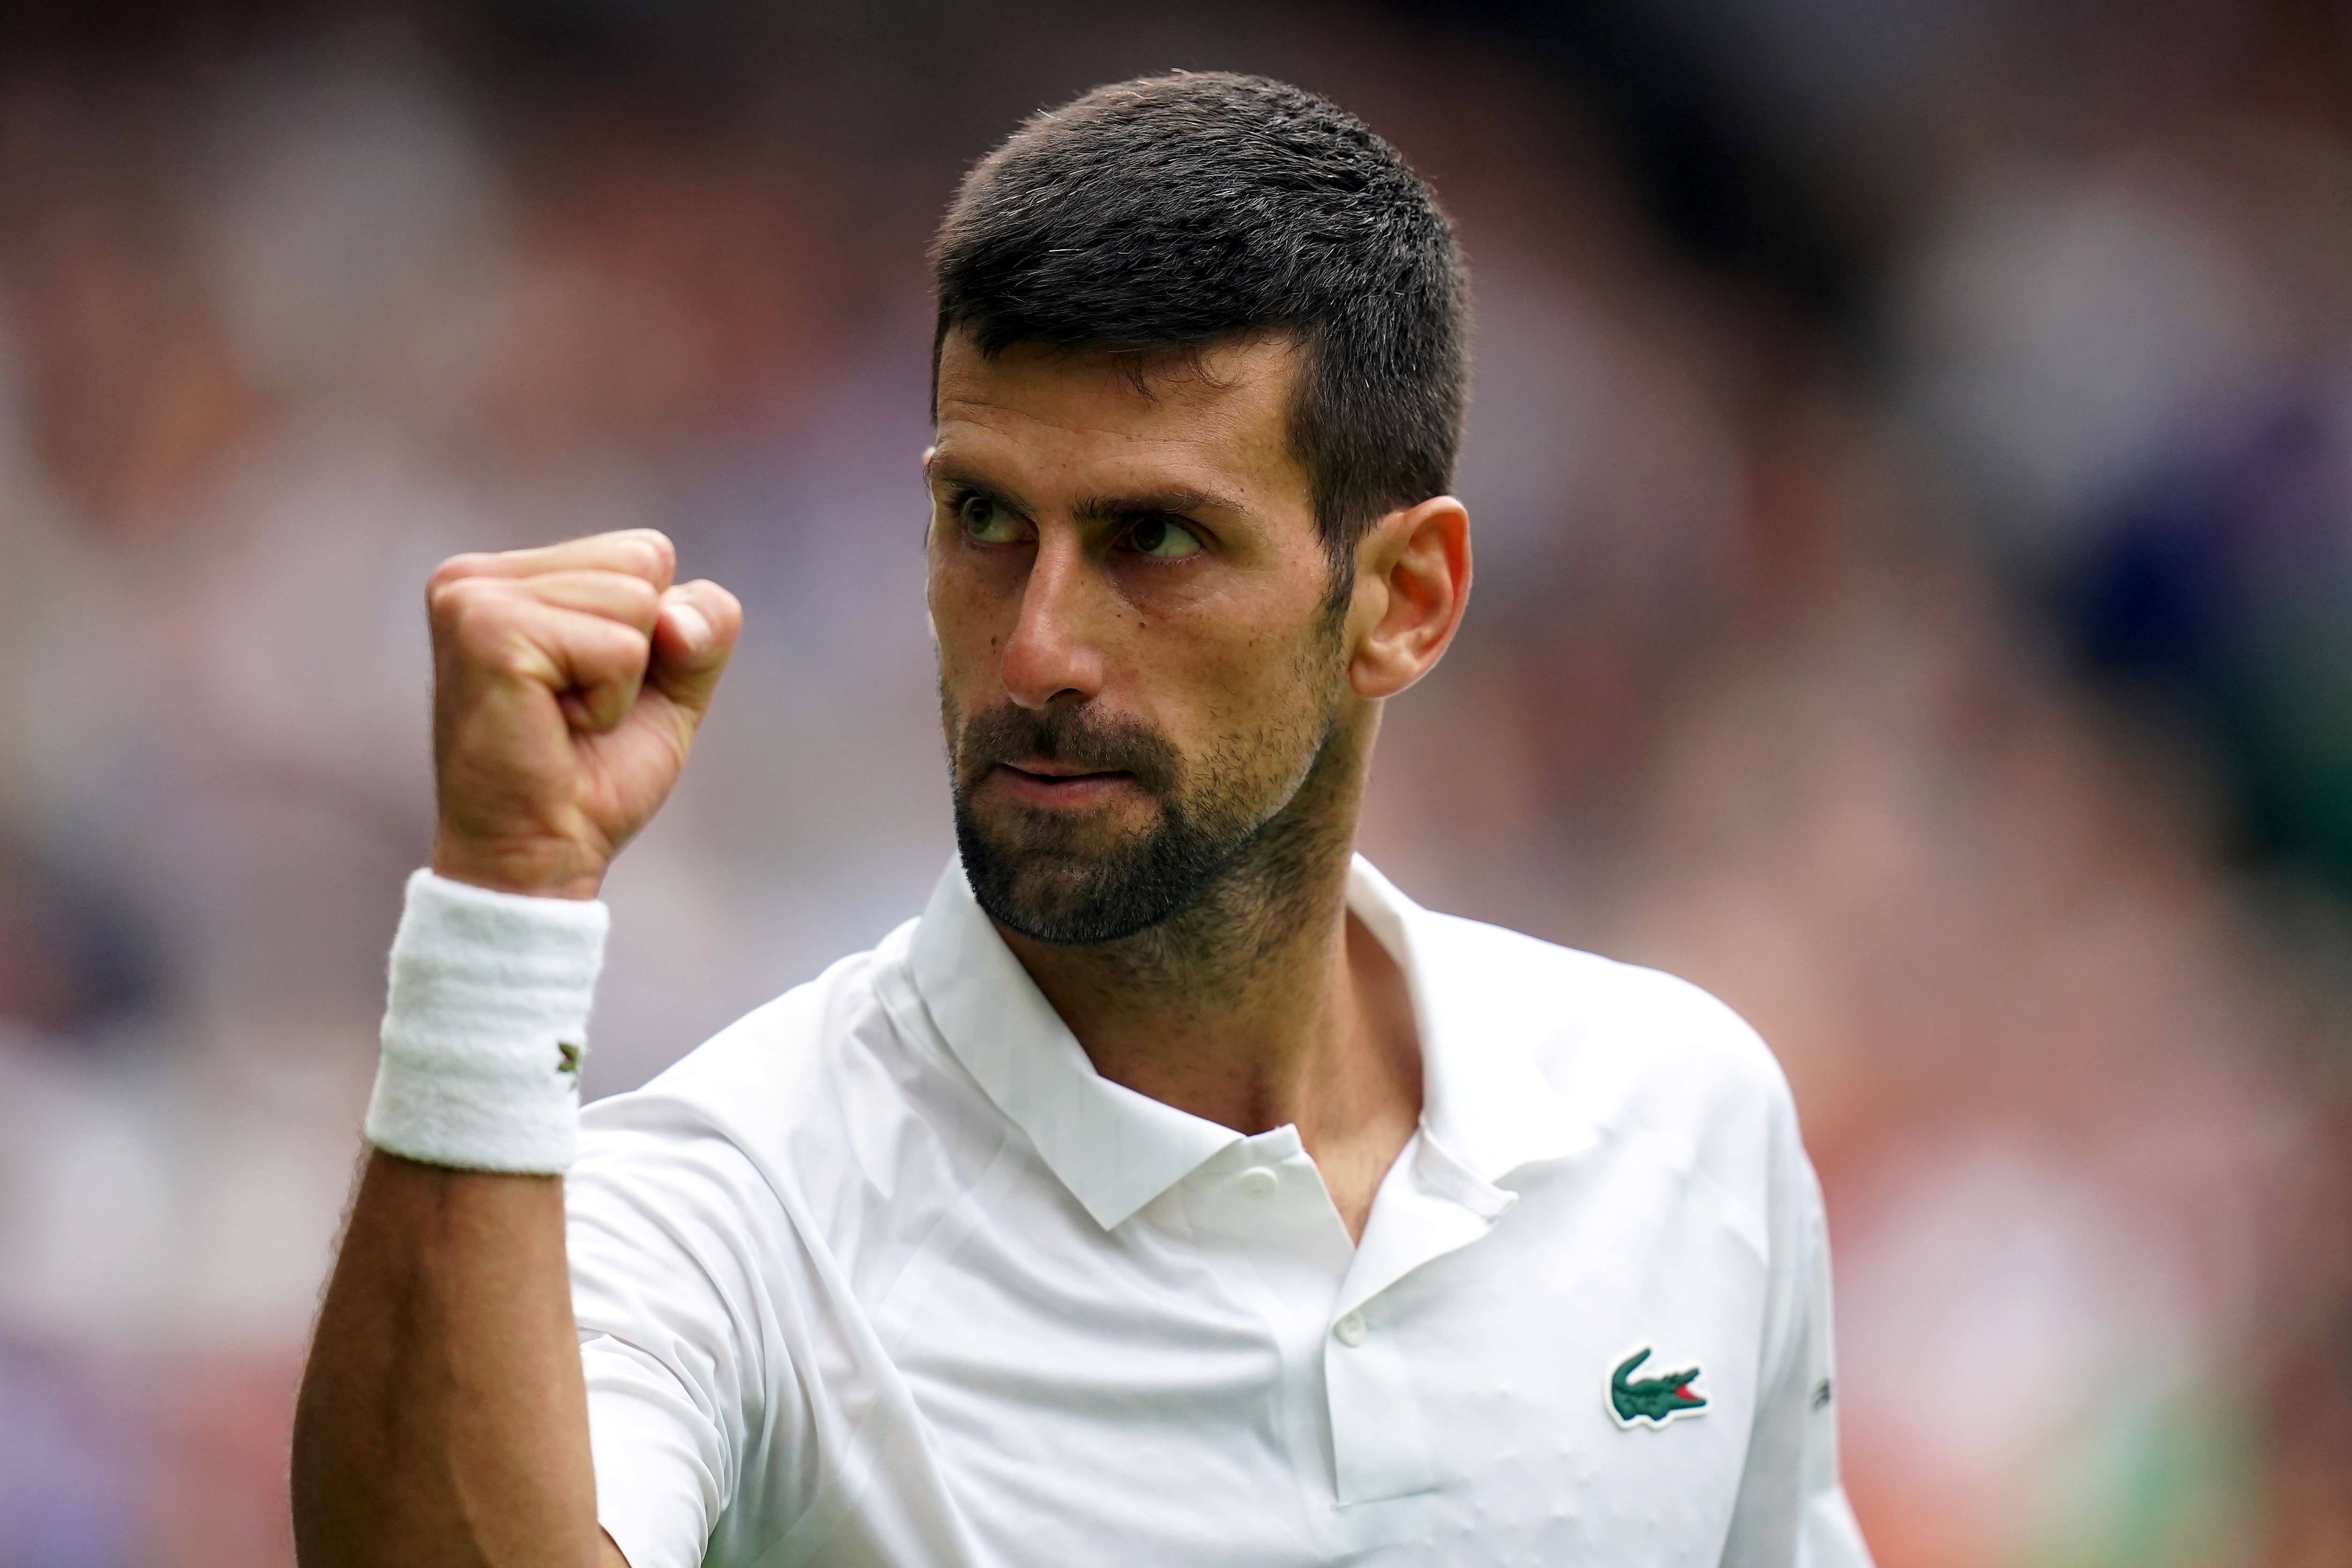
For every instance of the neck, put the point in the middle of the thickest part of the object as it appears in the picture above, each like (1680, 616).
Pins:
(1265, 1003)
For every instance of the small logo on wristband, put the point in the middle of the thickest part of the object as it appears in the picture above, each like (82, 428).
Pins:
(571, 1058)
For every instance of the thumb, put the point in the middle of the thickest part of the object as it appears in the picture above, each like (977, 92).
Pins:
(694, 636)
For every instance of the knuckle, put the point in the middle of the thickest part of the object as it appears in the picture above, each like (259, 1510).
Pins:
(449, 577)
(606, 649)
(632, 648)
(638, 596)
(452, 600)
(466, 564)
(648, 550)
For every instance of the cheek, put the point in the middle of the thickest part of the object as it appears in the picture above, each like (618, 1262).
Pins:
(967, 620)
(1257, 689)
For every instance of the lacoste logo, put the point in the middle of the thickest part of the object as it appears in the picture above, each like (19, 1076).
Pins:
(1656, 1400)
(569, 1057)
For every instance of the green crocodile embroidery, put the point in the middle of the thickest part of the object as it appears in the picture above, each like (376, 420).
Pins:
(1653, 1399)
(570, 1054)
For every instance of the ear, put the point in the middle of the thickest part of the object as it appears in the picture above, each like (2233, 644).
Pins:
(1413, 582)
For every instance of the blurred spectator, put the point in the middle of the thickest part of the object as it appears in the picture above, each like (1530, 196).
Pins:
(1912, 459)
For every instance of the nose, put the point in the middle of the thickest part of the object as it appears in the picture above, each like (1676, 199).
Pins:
(1053, 653)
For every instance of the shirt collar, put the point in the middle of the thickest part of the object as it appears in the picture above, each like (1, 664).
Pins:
(1480, 1008)
(1116, 1149)
(1485, 1102)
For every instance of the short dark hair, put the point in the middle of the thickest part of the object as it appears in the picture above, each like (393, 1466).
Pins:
(1162, 213)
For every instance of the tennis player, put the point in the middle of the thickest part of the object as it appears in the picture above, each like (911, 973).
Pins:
(1174, 1190)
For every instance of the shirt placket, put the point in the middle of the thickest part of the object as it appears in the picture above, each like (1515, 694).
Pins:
(1429, 1205)
(1261, 1204)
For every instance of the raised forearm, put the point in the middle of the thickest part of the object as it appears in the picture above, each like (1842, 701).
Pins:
(443, 1418)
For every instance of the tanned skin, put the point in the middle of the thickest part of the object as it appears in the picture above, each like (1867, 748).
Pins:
(443, 1419)
(1263, 1004)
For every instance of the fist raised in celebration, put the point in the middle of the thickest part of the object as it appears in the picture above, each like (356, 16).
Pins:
(568, 683)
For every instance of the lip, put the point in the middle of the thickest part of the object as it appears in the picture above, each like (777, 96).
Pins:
(1059, 785)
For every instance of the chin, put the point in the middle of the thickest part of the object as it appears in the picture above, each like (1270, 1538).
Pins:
(1071, 889)
(1052, 902)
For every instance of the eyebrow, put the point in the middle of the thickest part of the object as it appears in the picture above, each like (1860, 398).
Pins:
(1177, 501)
(945, 473)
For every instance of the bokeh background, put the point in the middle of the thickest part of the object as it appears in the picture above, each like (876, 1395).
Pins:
(1912, 466)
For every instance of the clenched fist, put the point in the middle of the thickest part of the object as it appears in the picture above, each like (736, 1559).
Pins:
(568, 683)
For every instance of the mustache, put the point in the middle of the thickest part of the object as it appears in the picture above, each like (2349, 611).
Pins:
(1074, 736)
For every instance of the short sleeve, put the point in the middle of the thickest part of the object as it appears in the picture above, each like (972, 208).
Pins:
(1792, 1510)
(663, 1227)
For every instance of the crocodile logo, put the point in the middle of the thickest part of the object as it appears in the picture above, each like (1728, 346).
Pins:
(567, 1058)
(1656, 1400)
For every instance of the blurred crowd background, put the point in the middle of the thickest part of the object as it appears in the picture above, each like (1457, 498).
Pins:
(1912, 473)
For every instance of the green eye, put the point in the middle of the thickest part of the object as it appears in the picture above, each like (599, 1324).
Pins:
(987, 522)
(1163, 539)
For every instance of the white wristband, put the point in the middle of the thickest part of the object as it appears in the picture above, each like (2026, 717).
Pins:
(485, 1028)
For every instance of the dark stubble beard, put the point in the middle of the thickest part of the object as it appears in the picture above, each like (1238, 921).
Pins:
(1033, 876)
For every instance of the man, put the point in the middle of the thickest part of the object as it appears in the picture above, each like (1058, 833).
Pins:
(1174, 1191)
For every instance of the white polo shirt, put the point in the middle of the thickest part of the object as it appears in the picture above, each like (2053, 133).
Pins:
(884, 1274)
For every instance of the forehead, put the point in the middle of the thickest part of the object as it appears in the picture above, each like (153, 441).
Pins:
(1218, 420)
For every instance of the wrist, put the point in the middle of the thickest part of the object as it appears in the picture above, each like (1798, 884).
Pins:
(541, 868)
(486, 1028)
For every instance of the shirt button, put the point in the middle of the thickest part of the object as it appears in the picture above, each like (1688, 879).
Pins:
(1349, 1328)
(1258, 1182)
